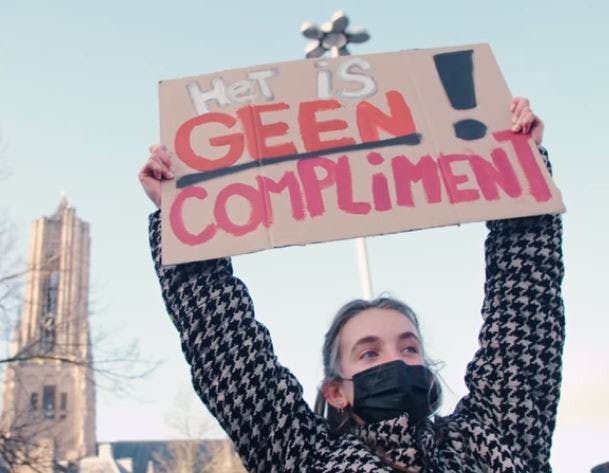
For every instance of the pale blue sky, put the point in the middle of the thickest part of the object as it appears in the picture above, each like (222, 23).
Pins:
(78, 109)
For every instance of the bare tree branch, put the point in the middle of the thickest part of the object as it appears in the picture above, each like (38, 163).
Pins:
(192, 454)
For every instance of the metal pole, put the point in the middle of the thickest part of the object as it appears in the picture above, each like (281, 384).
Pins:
(364, 271)
(333, 36)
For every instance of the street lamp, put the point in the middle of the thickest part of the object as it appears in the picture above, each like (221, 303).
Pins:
(333, 36)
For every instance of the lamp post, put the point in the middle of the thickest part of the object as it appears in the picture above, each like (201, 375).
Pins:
(333, 36)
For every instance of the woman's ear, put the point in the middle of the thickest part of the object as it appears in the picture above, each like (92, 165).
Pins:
(333, 392)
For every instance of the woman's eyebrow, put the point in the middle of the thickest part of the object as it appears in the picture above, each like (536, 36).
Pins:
(408, 335)
(370, 339)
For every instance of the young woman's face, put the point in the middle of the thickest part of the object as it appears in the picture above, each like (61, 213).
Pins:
(373, 337)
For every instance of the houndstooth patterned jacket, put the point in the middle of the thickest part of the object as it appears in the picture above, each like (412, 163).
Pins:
(504, 424)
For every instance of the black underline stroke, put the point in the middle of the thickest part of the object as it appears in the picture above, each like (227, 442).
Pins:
(195, 178)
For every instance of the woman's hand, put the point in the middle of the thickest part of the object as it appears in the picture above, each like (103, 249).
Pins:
(157, 168)
(524, 120)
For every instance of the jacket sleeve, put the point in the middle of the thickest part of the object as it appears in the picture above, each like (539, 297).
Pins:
(258, 402)
(514, 378)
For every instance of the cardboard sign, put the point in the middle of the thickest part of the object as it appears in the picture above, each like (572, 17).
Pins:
(316, 150)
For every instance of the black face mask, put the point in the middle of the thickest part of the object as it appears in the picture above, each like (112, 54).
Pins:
(392, 389)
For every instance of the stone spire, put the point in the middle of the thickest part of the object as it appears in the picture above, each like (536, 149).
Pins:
(49, 394)
(63, 204)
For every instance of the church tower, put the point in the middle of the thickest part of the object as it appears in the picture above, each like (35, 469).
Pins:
(49, 393)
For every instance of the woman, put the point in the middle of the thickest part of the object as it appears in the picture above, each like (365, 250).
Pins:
(378, 386)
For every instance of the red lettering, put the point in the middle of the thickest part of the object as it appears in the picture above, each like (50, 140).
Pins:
(452, 181)
(489, 177)
(253, 198)
(313, 185)
(176, 219)
(404, 173)
(380, 192)
(311, 128)
(380, 185)
(344, 189)
(289, 182)
(257, 133)
(375, 158)
(537, 184)
(398, 122)
(234, 141)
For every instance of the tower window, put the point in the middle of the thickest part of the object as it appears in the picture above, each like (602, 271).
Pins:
(50, 299)
(49, 311)
(48, 401)
(33, 401)
(63, 401)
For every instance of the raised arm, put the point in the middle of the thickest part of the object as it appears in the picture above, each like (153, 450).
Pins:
(234, 369)
(514, 378)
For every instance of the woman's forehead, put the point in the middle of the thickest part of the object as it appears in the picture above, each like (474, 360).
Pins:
(385, 324)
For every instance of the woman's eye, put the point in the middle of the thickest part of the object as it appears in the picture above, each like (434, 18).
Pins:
(410, 349)
(368, 354)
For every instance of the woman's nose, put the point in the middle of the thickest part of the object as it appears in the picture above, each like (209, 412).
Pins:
(396, 357)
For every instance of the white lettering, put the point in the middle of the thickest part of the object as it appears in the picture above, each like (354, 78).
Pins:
(199, 97)
(240, 91)
(324, 81)
(352, 71)
(260, 77)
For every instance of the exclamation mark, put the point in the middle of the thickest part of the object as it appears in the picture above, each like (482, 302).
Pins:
(456, 72)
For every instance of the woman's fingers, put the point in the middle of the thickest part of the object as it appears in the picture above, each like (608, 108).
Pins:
(527, 121)
(524, 120)
(166, 160)
(156, 147)
(163, 164)
(522, 116)
(158, 167)
(159, 155)
(155, 169)
(162, 153)
(519, 104)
